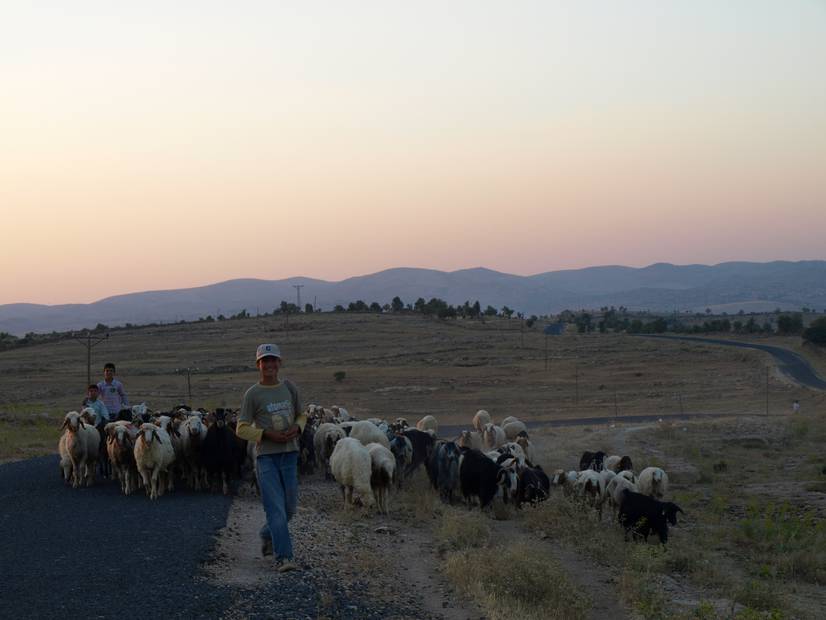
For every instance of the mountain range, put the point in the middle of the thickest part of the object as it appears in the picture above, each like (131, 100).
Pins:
(731, 286)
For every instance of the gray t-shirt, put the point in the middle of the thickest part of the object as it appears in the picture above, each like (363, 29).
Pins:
(271, 407)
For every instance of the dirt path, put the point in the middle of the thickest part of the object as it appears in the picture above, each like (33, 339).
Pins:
(356, 567)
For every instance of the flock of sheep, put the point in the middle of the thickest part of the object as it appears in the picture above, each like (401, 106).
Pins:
(635, 501)
(150, 451)
(368, 458)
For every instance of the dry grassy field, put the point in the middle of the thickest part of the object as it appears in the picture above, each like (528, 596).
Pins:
(752, 484)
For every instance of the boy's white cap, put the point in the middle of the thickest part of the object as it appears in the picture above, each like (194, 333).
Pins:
(267, 350)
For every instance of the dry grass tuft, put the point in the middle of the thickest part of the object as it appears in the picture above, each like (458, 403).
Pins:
(534, 586)
(460, 530)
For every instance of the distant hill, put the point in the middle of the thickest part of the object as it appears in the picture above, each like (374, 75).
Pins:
(662, 286)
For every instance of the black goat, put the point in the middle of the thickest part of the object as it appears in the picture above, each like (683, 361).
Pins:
(641, 515)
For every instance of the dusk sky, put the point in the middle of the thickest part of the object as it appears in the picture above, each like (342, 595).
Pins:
(154, 145)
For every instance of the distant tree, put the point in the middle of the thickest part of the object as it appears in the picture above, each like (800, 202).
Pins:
(530, 320)
(375, 307)
(338, 308)
(221, 317)
(357, 306)
(788, 324)
(507, 312)
(491, 311)
(308, 308)
(100, 327)
(419, 305)
(475, 309)
(397, 305)
(816, 332)
(584, 323)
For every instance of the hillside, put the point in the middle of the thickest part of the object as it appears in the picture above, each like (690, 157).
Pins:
(662, 286)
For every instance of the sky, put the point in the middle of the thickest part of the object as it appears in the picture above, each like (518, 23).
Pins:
(159, 145)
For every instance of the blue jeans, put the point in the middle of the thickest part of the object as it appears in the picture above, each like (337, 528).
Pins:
(278, 481)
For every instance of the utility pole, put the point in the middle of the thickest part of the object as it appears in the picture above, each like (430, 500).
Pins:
(87, 342)
(298, 288)
(188, 372)
(576, 383)
(767, 390)
(315, 305)
(546, 351)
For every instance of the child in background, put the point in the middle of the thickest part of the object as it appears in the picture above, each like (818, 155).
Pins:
(92, 400)
(111, 390)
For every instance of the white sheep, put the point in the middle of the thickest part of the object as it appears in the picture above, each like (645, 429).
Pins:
(613, 492)
(341, 413)
(590, 490)
(383, 465)
(81, 445)
(324, 441)
(628, 475)
(513, 428)
(481, 418)
(527, 448)
(653, 481)
(508, 420)
(428, 423)
(514, 450)
(610, 462)
(566, 480)
(367, 432)
(66, 469)
(192, 433)
(120, 448)
(352, 468)
(493, 436)
(154, 455)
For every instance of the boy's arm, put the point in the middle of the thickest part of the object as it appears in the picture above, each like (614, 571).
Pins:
(104, 410)
(124, 399)
(244, 429)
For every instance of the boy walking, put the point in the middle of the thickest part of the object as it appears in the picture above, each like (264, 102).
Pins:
(111, 390)
(271, 416)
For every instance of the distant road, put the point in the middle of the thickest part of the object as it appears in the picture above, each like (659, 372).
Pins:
(790, 363)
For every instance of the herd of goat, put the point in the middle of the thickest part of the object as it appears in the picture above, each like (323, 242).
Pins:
(368, 458)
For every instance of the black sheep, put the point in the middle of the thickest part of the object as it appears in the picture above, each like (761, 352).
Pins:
(218, 451)
(643, 514)
(422, 443)
(534, 486)
(591, 460)
(480, 477)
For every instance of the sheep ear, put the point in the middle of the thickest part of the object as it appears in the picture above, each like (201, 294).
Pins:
(65, 424)
(81, 423)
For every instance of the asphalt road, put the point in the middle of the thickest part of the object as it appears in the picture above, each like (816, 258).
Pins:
(790, 363)
(94, 553)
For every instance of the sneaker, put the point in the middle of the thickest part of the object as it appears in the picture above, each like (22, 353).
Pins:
(283, 566)
(266, 546)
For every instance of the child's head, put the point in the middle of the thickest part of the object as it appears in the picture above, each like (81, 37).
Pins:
(92, 391)
(108, 371)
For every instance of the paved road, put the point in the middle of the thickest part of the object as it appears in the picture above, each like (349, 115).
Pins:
(94, 553)
(790, 363)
